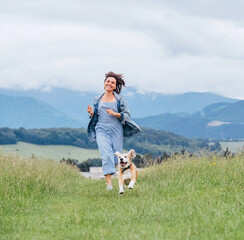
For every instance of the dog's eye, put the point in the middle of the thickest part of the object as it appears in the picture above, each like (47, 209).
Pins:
(125, 156)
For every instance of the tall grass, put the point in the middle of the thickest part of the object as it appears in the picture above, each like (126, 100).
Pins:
(23, 182)
(183, 198)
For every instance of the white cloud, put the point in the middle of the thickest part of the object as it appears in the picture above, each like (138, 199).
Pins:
(160, 46)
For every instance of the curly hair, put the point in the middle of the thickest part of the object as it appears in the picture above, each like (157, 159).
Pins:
(119, 81)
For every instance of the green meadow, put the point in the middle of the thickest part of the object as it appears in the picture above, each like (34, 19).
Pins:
(183, 198)
(55, 152)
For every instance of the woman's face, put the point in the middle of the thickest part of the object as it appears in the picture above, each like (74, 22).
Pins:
(110, 84)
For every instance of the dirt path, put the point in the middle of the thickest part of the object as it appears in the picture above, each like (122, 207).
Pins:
(97, 173)
(97, 176)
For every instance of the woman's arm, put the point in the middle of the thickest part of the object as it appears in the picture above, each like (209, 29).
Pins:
(90, 110)
(124, 111)
(115, 114)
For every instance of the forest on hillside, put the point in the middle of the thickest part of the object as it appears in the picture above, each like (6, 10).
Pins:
(149, 140)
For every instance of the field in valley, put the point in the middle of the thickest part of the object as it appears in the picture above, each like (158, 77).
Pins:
(55, 152)
(234, 147)
(183, 198)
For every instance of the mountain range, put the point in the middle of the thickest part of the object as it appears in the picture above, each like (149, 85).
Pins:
(219, 120)
(31, 113)
(189, 114)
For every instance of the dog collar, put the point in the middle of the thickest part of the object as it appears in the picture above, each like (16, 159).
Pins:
(124, 169)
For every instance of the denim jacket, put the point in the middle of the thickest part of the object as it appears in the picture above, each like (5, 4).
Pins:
(129, 126)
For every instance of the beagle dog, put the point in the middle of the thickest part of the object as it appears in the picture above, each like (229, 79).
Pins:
(127, 170)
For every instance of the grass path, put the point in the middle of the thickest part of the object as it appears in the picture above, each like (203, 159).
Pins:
(180, 199)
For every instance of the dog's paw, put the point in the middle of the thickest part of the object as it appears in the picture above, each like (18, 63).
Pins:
(121, 192)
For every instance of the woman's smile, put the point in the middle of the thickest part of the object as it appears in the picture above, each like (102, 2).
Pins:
(110, 84)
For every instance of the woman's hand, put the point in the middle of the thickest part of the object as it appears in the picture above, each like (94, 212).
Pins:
(115, 114)
(89, 110)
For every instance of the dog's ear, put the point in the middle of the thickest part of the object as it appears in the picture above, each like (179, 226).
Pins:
(132, 153)
(117, 153)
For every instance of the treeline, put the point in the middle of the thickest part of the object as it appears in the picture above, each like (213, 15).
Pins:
(47, 136)
(149, 140)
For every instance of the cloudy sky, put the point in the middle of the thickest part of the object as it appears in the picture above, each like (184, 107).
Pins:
(168, 46)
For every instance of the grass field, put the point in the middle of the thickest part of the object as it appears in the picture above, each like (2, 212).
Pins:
(234, 147)
(55, 152)
(183, 198)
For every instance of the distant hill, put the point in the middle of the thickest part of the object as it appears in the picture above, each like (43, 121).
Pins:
(71, 103)
(221, 120)
(29, 112)
(74, 103)
(149, 104)
(225, 112)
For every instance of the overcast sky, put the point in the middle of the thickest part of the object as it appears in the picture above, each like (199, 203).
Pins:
(168, 46)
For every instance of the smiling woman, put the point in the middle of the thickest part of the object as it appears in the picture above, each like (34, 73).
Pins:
(110, 121)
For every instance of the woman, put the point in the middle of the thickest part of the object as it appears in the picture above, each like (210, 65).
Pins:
(110, 121)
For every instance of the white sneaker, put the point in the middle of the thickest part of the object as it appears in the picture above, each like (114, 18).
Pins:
(121, 190)
(131, 185)
(109, 187)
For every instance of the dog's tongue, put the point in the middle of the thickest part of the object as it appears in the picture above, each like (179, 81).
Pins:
(122, 164)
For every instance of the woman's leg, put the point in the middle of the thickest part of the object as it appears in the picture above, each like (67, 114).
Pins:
(117, 144)
(108, 179)
(107, 154)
